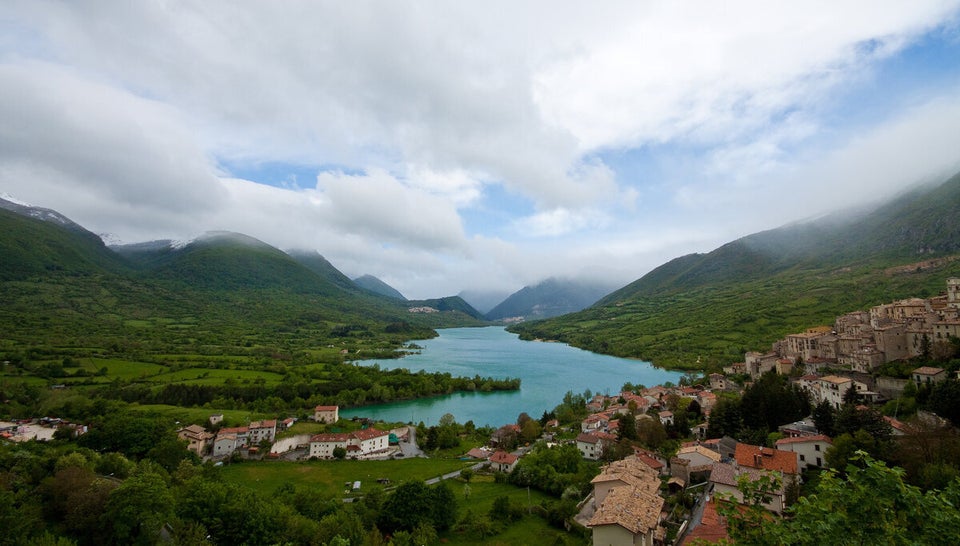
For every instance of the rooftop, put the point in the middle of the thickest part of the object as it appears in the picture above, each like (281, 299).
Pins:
(765, 458)
(631, 508)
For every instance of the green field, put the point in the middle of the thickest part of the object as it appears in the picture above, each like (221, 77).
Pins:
(206, 376)
(330, 476)
(200, 416)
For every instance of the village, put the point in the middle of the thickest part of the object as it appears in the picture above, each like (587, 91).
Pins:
(630, 501)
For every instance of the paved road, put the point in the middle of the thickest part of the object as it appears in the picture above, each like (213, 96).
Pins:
(409, 448)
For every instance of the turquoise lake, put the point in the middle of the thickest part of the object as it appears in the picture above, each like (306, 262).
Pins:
(546, 370)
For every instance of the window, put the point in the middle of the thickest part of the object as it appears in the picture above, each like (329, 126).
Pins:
(803, 457)
(816, 447)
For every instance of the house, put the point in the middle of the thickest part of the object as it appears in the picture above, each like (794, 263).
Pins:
(628, 516)
(766, 459)
(479, 453)
(592, 444)
(225, 444)
(832, 388)
(756, 462)
(718, 382)
(240, 433)
(507, 435)
(711, 529)
(259, 431)
(216, 419)
(928, 375)
(197, 438)
(690, 460)
(707, 400)
(809, 449)
(501, 461)
(666, 417)
(322, 445)
(651, 459)
(326, 414)
(698, 455)
(596, 421)
(724, 480)
(628, 472)
(357, 444)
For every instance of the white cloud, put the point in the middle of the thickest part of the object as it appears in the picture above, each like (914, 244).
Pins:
(117, 114)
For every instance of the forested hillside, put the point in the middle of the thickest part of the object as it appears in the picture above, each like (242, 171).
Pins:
(707, 309)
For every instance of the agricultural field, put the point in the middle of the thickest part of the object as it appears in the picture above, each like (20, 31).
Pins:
(330, 476)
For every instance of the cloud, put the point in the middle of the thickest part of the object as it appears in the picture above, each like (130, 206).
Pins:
(126, 116)
(64, 136)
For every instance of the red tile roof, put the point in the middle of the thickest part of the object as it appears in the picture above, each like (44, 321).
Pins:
(502, 457)
(712, 527)
(764, 458)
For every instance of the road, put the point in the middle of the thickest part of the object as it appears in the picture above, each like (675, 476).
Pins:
(409, 447)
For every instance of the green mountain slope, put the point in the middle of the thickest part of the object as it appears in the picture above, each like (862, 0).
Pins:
(454, 304)
(707, 309)
(30, 247)
(550, 298)
(375, 285)
(313, 261)
(60, 286)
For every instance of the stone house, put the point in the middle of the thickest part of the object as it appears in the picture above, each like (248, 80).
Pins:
(928, 375)
(197, 438)
(326, 414)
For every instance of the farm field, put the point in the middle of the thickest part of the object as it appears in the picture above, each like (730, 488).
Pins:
(330, 476)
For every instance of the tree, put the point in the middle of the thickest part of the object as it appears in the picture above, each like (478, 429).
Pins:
(944, 400)
(725, 419)
(824, 417)
(628, 427)
(872, 505)
(851, 397)
(772, 401)
(139, 507)
(530, 430)
(339, 453)
(650, 432)
(443, 513)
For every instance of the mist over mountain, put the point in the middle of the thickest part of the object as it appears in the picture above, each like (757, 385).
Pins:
(375, 285)
(549, 298)
(749, 292)
(484, 300)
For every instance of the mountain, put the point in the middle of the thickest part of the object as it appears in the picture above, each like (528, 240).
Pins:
(550, 298)
(708, 309)
(483, 300)
(315, 262)
(375, 285)
(450, 303)
(59, 284)
(38, 241)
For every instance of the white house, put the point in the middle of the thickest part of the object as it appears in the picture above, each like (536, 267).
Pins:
(809, 449)
(262, 430)
(357, 444)
(591, 444)
(224, 445)
(501, 461)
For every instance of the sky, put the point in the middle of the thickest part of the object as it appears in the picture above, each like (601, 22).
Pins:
(447, 146)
